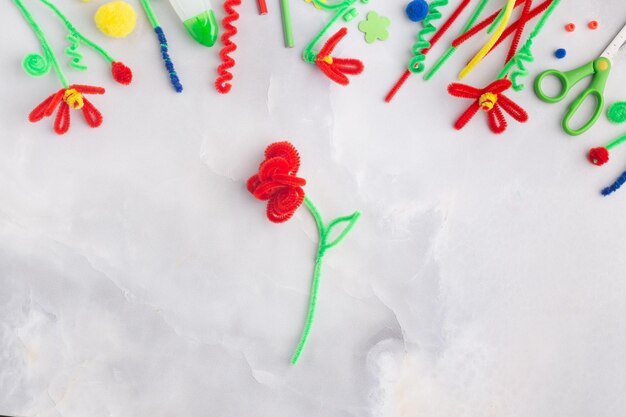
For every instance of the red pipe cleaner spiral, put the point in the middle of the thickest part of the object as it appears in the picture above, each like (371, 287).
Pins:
(221, 83)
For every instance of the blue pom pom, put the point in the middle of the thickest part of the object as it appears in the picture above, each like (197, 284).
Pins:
(560, 53)
(417, 10)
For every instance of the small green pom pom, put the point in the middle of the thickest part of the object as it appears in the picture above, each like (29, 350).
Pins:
(617, 112)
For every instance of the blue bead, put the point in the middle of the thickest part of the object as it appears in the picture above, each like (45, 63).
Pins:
(560, 53)
(417, 10)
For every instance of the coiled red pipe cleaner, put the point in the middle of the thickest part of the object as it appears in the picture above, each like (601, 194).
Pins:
(222, 84)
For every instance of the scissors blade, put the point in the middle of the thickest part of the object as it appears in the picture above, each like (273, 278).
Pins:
(615, 44)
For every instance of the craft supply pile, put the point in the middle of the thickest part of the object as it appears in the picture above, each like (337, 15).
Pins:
(514, 25)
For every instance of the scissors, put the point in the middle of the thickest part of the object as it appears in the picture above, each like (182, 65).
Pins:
(599, 69)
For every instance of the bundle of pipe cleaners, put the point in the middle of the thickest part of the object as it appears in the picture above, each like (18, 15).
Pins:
(69, 96)
(490, 99)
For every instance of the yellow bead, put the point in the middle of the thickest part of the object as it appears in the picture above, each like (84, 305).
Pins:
(116, 19)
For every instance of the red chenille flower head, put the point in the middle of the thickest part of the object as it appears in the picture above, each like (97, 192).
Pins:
(277, 183)
(598, 156)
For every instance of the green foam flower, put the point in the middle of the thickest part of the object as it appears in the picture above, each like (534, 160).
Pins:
(375, 27)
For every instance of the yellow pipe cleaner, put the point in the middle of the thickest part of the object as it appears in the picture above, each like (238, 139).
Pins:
(508, 11)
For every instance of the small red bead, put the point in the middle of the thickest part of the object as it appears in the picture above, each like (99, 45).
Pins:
(593, 25)
(570, 27)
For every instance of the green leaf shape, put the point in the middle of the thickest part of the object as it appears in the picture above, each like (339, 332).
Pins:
(347, 222)
(375, 27)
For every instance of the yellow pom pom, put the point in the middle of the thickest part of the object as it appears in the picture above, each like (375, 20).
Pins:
(116, 19)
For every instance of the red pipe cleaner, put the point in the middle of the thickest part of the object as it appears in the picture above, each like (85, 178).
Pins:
(221, 83)
(507, 32)
(519, 31)
(438, 35)
(480, 26)
(337, 68)
(530, 16)
(277, 182)
(448, 23)
(491, 100)
(262, 6)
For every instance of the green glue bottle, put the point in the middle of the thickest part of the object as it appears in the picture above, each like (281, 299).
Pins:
(198, 18)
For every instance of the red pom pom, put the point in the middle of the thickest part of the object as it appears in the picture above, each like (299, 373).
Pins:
(121, 73)
(598, 156)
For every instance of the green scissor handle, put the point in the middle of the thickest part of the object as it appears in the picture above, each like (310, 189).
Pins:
(600, 69)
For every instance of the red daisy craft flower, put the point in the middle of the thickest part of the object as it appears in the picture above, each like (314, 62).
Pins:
(277, 183)
(491, 100)
(337, 68)
(72, 96)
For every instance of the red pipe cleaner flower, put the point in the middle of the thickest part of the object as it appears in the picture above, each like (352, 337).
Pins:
(277, 182)
(491, 100)
(65, 98)
(337, 68)
(598, 156)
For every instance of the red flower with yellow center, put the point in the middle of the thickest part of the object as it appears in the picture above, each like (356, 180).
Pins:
(337, 68)
(491, 100)
(64, 99)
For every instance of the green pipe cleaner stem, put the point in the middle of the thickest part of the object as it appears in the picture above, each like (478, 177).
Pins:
(308, 54)
(616, 142)
(496, 21)
(73, 31)
(147, 7)
(416, 64)
(326, 6)
(448, 54)
(35, 64)
(525, 53)
(324, 232)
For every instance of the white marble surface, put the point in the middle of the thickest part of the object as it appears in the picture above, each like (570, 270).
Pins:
(139, 278)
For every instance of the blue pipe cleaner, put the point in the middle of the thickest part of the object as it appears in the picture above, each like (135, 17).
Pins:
(615, 186)
(169, 65)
